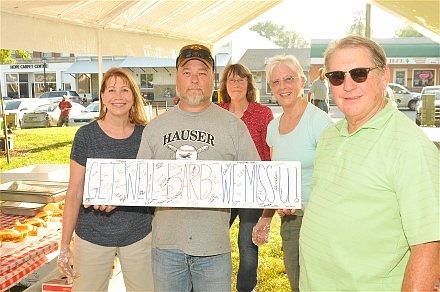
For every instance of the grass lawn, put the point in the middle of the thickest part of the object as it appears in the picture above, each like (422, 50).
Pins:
(52, 146)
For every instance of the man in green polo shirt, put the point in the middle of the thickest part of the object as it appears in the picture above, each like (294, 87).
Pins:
(372, 222)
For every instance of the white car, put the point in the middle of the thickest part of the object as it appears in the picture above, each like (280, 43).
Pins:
(57, 96)
(47, 115)
(389, 94)
(435, 90)
(19, 107)
(89, 114)
(404, 97)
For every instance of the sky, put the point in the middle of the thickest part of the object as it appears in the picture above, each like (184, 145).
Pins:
(316, 19)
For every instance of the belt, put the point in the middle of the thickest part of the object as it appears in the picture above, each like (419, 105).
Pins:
(316, 101)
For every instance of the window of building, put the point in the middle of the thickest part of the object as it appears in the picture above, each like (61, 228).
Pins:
(400, 76)
(40, 79)
(258, 80)
(12, 86)
(146, 80)
(84, 83)
(268, 90)
(17, 85)
(423, 77)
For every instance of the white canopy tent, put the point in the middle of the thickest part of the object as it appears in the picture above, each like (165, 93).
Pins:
(153, 28)
(148, 28)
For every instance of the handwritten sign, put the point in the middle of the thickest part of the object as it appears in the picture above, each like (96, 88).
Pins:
(199, 183)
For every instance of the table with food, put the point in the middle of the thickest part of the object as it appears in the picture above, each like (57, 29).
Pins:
(30, 230)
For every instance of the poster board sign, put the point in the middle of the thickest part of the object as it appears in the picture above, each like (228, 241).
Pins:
(198, 183)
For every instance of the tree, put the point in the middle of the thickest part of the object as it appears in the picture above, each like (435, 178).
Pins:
(358, 26)
(6, 56)
(279, 35)
(407, 32)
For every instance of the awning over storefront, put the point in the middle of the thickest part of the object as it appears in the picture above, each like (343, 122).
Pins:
(84, 67)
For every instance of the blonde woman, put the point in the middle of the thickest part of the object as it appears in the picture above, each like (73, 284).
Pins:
(103, 231)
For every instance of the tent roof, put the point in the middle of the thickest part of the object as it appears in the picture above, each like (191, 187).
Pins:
(423, 15)
(153, 28)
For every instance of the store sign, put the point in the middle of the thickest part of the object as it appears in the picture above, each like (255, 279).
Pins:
(198, 183)
(26, 66)
(413, 61)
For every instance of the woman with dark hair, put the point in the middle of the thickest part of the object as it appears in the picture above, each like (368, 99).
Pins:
(239, 93)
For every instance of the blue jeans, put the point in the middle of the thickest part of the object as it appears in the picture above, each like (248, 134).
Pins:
(248, 267)
(173, 270)
(322, 104)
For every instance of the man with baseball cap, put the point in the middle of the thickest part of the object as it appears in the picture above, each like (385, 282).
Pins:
(195, 52)
(191, 246)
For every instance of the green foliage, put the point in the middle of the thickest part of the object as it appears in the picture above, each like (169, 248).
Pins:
(279, 35)
(6, 56)
(271, 272)
(407, 32)
(52, 146)
(358, 26)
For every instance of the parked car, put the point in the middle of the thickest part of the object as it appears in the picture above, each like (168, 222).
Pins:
(389, 94)
(20, 106)
(47, 115)
(404, 97)
(57, 96)
(215, 96)
(429, 90)
(89, 114)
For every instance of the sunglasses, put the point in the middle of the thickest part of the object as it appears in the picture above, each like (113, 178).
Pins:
(358, 75)
(195, 53)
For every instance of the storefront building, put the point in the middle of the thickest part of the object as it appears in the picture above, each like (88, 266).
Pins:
(29, 78)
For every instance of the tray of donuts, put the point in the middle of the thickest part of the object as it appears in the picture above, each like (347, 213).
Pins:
(27, 231)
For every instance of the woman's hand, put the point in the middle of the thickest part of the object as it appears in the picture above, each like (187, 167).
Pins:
(285, 212)
(105, 208)
(63, 263)
(261, 231)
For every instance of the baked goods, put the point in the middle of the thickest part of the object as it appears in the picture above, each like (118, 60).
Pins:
(12, 235)
(25, 229)
(37, 222)
(44, 215)
(56, 208)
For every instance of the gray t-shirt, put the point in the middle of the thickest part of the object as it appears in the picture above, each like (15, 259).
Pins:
(125, 225)
(213, 134)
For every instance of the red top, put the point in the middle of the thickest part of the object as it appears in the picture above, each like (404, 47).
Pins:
(65, 107)
(256, 117)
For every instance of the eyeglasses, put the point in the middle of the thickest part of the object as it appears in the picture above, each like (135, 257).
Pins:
(358, 75)
(240, 81)
(286, 80)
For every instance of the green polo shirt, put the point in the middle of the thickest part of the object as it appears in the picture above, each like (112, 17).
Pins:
(375, 193)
